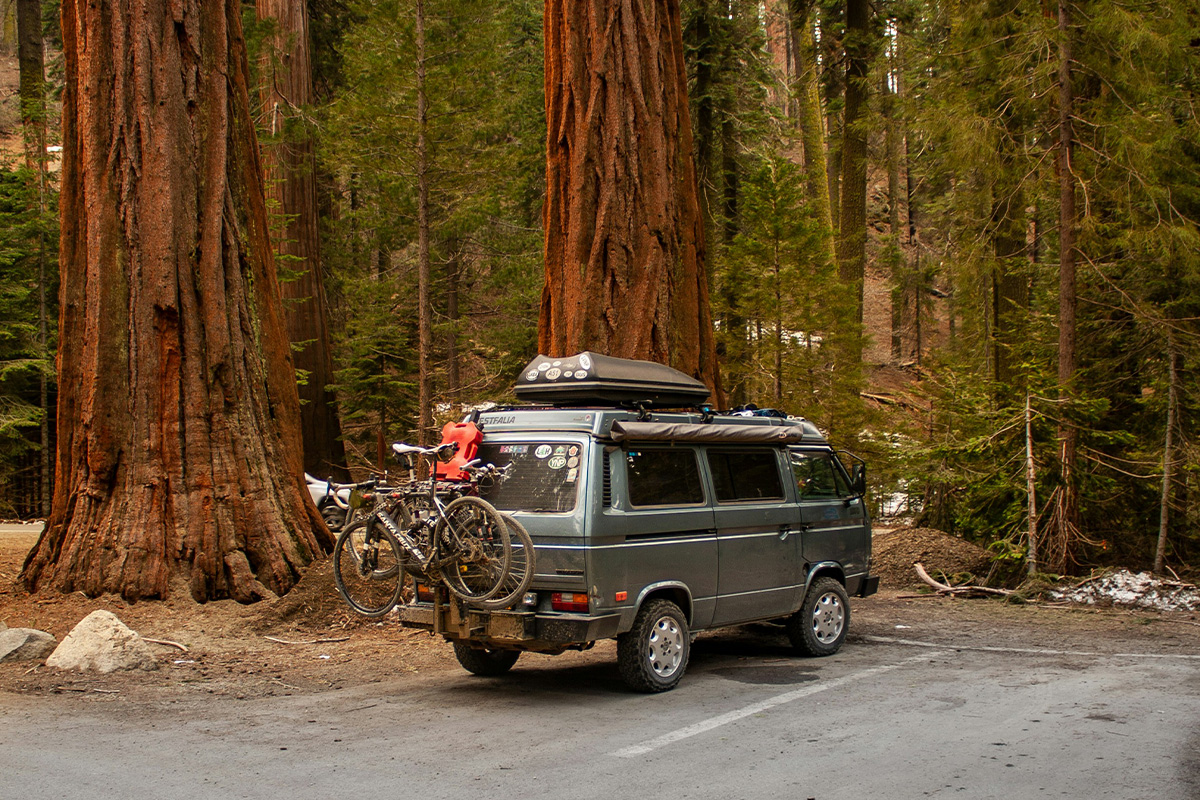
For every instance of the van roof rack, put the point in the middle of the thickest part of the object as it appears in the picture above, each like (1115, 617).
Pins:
(593, 379)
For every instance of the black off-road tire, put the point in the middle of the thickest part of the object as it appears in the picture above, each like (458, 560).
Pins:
(653, 655)
(819, 627)
(486, 663)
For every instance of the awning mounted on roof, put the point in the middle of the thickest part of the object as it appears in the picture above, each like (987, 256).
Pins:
(721, 433)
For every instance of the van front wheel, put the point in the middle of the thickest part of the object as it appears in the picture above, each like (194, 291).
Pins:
(819, 627)
(653, 654)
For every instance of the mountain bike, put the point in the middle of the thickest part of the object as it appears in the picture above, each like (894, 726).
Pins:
(435, 530)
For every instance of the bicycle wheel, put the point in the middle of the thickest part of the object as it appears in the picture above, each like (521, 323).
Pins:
(475, 543)
(520, 567)
(366, 568)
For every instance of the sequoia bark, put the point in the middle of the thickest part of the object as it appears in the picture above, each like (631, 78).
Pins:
(624, 249)
(179, 455)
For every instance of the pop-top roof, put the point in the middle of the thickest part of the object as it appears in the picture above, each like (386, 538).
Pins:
(595, 379)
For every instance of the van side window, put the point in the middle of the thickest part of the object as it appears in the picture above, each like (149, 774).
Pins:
(816, 476)
(663, 477)
(747, 475)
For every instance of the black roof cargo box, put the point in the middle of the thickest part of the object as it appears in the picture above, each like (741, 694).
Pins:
(594, 379)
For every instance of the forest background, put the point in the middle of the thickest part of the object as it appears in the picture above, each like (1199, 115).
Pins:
(1027, 171)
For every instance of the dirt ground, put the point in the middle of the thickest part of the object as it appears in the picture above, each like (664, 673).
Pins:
(329, 647)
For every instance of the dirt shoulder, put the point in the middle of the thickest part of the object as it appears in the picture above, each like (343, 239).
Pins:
(328, 647)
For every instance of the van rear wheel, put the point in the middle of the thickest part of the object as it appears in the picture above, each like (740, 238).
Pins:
(819, 627)
(653, 654)
(488, 663)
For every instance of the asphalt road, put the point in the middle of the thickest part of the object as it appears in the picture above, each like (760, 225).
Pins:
(882, 719)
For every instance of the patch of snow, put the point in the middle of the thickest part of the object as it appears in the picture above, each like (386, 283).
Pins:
(1137, 590)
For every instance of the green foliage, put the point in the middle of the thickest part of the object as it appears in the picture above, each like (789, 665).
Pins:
(983, 110)
(24, 232)
(486, 138)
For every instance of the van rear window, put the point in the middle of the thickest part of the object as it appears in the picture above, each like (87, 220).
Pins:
(541, 476)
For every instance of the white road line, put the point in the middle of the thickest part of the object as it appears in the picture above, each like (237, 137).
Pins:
(1025, 650)
(756, 708)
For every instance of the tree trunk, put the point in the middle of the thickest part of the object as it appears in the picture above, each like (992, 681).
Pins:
(1010, 288)
(290, 168)
(624, 250)
(1164, 514)
(179, 455)
(424, 269)
(852, 236)
(1031, 559)
(1068, 515)
(834, 85)
(31, 91)
(808, 112)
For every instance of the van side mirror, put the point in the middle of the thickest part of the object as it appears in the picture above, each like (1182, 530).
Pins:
(858, 479)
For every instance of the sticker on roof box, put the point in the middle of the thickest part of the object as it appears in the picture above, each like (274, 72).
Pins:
(545, 365)
(543, 450)
(585, 361)
(553, 373)
(532, 375)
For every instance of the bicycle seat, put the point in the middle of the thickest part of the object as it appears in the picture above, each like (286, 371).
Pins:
(403, 450)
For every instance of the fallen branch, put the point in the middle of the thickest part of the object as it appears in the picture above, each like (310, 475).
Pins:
(943, 588)
(310, 641)
(166, 642)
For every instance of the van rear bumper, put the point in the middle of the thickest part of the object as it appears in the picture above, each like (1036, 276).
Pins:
(863, 585)
(525, 630)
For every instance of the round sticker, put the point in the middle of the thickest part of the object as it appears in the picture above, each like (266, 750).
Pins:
(552, 374)
(585, 361)
(580, 374)
(531, 375)
(543, 450)
(556, 364)
(573, 462)
(558, 462)
(545, 365)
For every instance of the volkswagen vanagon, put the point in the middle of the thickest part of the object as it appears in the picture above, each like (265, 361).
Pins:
(654, 517)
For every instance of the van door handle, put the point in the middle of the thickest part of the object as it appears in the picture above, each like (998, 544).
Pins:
(786, 531)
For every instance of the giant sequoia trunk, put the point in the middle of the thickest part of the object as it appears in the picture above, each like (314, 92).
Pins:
(624, 235)
(290, 167)
(179, 456)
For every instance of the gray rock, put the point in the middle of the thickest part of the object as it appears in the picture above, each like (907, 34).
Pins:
(102, 643)
(25, 644)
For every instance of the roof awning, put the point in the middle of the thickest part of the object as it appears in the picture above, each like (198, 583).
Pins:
(717, 433)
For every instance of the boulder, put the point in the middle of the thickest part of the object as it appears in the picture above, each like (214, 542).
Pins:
(102, 643)
(25, 644)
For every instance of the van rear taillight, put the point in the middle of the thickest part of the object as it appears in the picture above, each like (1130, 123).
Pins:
(424, 593)
(569, 601)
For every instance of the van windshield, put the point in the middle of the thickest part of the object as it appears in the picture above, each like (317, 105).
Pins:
(543, 476)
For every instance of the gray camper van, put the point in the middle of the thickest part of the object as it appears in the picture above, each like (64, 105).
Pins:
(650, 525)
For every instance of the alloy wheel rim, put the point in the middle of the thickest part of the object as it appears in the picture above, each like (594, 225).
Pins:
(666, 646)
(829, 616)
